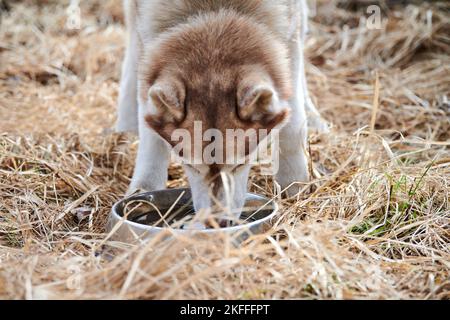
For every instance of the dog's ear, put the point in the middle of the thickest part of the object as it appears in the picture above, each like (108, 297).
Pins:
(167, 95)
(167, 99)
(258, 101)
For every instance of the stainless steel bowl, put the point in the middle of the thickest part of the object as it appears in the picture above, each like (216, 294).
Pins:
(145, 222)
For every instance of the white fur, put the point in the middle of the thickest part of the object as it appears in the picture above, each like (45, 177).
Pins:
(293, 165)
(127, 110)
(153, 154)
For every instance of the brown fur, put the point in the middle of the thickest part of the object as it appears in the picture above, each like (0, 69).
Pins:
(215, 53)
(168, 13)
(211, 55)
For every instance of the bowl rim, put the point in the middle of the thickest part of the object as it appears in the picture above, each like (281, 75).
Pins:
(143, 227)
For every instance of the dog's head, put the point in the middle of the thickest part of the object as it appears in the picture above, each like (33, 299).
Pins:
(213, 86)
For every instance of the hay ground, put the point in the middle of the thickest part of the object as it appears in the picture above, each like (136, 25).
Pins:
(373, 223)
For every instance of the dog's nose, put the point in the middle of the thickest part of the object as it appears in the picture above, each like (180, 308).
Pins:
(220, 222)
(224, 223)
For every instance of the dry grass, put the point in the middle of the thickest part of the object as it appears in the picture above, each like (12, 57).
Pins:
(374, 222)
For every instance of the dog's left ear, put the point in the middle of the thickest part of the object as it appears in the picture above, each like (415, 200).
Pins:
(258, 101)
(167, 111)
(167, 95)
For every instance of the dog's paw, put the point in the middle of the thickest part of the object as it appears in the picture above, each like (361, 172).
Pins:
(137, 187)
(293, 189)
(293, 175)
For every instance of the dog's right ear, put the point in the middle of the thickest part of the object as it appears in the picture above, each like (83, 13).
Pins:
(257, 100)
(167, 95)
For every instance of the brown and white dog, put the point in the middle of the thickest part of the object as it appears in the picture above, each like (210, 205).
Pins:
(231, 64)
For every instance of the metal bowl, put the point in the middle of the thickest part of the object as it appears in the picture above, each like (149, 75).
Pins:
(144, 221)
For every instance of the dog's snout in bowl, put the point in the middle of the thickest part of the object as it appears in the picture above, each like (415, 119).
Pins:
(144, 216)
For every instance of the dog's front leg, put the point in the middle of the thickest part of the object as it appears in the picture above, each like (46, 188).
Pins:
(127, 109)
(152, 160)
(315, 120)
(293, 159)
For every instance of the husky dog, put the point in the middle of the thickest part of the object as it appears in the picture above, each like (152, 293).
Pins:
(231, 64)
